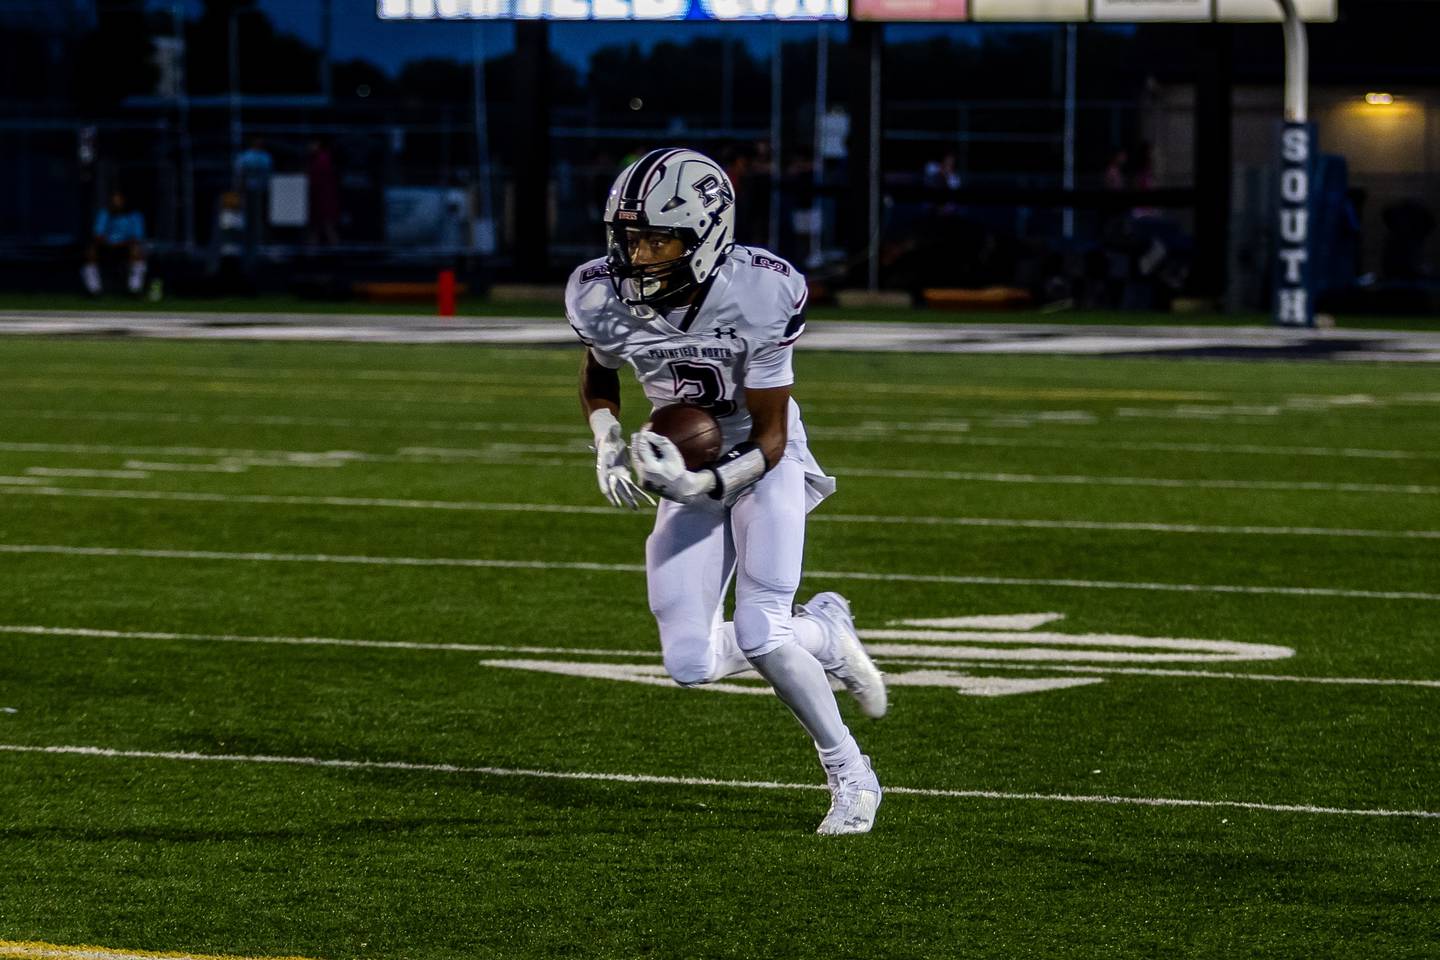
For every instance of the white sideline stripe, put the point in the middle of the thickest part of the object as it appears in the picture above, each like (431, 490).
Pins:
(476, 563)
(196, 496)
(986, 664)
(657, 780)
(875, 430)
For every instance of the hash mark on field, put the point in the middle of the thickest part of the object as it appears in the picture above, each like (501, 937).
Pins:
(34, 950)
(268, 499)
(657, 780)
(488, 564)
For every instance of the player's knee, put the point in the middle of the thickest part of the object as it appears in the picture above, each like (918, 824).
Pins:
(760, 629)
(685, 642)
(689, 670)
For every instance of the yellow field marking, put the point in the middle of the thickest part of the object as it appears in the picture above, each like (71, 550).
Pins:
(34, 950)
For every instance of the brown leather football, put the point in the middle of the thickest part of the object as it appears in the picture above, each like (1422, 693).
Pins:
(693, 430)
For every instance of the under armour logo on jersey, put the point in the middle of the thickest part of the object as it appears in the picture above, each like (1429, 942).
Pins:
(723, 332)
(712, 191)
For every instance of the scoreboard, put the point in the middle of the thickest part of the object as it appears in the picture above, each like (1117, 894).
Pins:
(804, 10)
(947, 11)
(1081, 11)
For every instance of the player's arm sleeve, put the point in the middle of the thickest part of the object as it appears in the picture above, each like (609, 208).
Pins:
(102, 220)
(769, 366)
(771, 363)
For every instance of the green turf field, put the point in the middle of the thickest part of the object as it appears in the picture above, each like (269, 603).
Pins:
(257, 598)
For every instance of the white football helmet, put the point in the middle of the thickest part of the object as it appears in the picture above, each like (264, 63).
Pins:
(676, 191)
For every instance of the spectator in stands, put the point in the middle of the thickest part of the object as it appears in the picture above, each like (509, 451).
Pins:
(252, 170)
(1142, 176)
(119, 233)
(324, 196)
(943, 174)
(1117, 176)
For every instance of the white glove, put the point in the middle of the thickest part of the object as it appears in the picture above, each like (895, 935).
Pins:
(660, 467)
(612, 463)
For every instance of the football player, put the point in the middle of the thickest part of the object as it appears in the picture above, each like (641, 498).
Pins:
(705, 321)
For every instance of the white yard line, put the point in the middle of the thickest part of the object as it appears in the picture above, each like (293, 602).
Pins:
(487, 564)
(657, 780)
(1180, 484)
(264, 499)
(34, 630)
(220, 388)
(54, 472)
(942, 433)
(89, 632)
(281, 420)
(34, 950)
(1153, 672)
(187, 467)
(506, 453)
(336, 375)
(299, 458)
(1239, 449)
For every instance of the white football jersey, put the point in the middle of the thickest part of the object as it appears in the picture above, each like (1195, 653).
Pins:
(738, 335)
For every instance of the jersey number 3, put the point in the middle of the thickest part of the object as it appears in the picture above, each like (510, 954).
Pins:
(702, 385)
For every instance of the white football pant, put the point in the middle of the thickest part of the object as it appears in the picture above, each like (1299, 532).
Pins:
(689, 559)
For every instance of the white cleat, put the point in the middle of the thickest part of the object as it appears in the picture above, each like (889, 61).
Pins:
(853, 667)
(854, 800)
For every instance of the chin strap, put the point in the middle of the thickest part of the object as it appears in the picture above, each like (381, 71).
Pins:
(739, 468)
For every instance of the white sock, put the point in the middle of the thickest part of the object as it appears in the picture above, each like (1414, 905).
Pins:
(816, 640)
(137, 276)
(90, 273)
(728, 658)
(842, 759)
(800, 683)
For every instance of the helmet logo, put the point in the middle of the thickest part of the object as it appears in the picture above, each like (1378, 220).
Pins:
(712, 190)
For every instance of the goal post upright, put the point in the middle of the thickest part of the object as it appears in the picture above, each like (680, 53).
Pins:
(1294, 304)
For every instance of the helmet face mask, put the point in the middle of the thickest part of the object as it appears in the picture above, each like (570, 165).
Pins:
(674, 193)
(644, 280)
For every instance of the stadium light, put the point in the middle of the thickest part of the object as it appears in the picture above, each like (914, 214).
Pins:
(1379, 99)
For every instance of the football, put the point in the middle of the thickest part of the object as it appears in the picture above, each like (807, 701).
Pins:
(693, 430)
